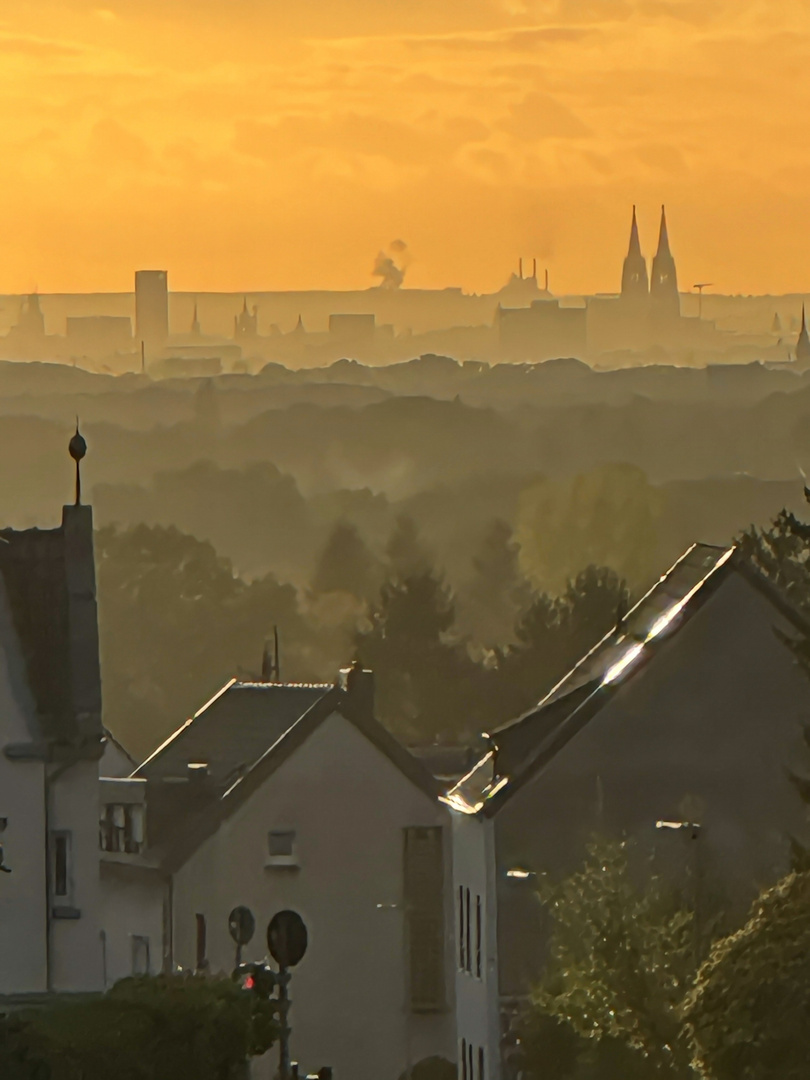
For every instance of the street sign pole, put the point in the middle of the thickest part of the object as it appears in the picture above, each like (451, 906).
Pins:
(284, 1069)
(287, 943)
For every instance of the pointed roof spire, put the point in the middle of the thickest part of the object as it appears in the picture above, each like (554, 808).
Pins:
(635, 283)
(635, 243)
(663, 235)
(803, 344)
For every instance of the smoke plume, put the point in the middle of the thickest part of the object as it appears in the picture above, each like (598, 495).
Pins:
(390, 266)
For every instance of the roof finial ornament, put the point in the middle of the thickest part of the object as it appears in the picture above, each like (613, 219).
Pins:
(77, 448)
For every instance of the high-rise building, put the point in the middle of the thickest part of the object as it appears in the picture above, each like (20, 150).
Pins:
(665, 303)
(635, 286)
(152, 310)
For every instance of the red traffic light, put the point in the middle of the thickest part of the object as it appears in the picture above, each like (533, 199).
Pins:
(249, 983)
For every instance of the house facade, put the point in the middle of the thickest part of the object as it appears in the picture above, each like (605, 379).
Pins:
(51, 740)
(677, 730)
(277, 796)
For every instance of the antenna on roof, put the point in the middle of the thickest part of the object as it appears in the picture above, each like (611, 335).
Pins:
(270, 660)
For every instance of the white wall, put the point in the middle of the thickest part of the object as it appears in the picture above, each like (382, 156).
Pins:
(76, 961)
(22, 892)
(349, 805)
(477, 999)
(132, 902)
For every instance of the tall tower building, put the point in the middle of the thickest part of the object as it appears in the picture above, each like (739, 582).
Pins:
(152, 310)
(665, 303)
(635, 286)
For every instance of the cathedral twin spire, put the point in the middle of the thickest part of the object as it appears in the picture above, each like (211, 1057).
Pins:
(662, 290)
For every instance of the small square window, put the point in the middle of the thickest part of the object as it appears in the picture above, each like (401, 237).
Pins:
(281, 847)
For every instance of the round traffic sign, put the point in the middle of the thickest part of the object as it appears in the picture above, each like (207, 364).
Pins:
(241, 925)
(287, 938)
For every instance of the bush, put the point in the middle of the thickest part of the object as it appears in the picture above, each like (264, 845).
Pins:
(145, 1028)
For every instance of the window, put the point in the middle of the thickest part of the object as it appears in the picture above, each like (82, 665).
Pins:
(61, 868)
(467, 931)
(464, 1060)
(281, 848)
(201, 959)
(478, 937)
(481, 1064)
(462, 955)
(121, 828)
(140, 955)
(424, 915)
(470, 1072)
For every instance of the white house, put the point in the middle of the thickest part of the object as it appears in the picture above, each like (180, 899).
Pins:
(51, 740)
(278, 796)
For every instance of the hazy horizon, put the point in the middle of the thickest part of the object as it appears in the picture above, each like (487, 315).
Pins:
(247, 145)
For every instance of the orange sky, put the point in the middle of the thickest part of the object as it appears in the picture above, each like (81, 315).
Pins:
(260, 144)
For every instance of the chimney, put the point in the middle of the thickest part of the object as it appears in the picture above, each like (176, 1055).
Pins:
(358, 684)
(520, 269)
(534, 269)
(546, 280)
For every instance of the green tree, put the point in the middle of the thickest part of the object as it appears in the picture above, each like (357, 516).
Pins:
(176, 623)
(622, 958)
(346, 564)
(606, 517)
(553, 634)
(145, 1028)
(548, 1047)
(498, 593)
(748, 1012)
(420, 668)
(780, 552)
(405, 555)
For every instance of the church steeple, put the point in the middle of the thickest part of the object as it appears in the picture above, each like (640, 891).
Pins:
(803, 344)
(635, 286)
(664, 298)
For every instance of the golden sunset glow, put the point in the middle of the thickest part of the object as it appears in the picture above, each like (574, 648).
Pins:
(259, 145)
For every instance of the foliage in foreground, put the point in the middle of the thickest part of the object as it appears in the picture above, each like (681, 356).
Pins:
(145, 1028)
(622, 959)
(748, 1013)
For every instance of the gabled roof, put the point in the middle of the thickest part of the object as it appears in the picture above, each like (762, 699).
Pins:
(523, 747)
(232, 730)
(181, 845)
